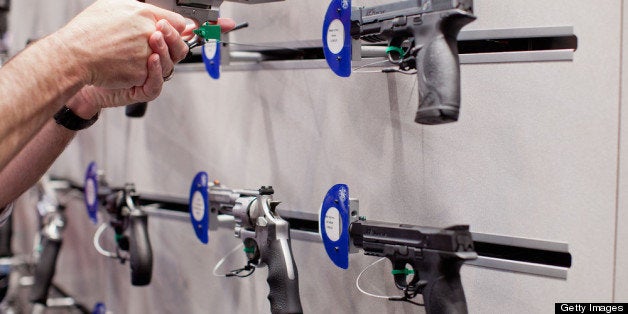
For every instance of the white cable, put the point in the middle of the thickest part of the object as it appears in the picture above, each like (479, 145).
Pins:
(371, 71)
(355, 70)
(258, 45)
(357, 282)
(99, 248)
(222, 260)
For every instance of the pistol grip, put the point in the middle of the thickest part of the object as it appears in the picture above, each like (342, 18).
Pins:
(140, 251)
(6, 234)
(438, 69)
(45, 270)
(443, 292)
(445, 295)
(136, 110)
(283, 278)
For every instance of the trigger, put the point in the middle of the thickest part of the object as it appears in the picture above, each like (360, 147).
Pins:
(421, 285)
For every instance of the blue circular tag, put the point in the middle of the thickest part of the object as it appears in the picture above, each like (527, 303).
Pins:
(99, 308)
(211, 57)
(333, 224)
(91, 191)
(337, 37)
(198, 206)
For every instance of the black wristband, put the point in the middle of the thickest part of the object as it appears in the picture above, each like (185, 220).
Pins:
(68, 119)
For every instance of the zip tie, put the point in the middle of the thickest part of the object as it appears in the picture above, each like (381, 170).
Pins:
(118, 237)
(396, 49)
(404, 271)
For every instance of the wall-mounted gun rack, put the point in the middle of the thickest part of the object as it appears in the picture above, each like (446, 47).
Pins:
(522, 255)
(513, 254)
(538, 44)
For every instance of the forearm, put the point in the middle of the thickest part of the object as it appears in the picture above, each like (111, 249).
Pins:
(34, 85)
(33, 161)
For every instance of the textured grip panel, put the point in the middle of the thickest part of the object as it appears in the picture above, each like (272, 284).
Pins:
(6, 234)
(443, 292)
(136, 110)
(45, 270)
(439, 82)
(284, 292)
(140, 250)
(445, 295)
(438, 68)
(4, 285)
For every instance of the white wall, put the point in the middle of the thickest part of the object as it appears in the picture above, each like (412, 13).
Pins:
(535, 154)
(621, 277)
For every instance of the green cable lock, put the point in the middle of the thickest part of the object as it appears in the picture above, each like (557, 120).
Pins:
(249, 249)
(208, 31)
(398, 50)
(404, 271)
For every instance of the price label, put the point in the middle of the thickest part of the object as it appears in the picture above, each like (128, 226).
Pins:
(335, 36)
(333, 224)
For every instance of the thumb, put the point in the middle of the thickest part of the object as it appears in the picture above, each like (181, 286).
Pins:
(176, 20)
(152, 87)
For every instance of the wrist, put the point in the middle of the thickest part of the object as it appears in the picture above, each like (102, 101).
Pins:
(82, 107)
(81, 111)
(73, 53)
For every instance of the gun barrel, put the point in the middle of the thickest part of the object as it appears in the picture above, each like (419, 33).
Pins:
(200, 3)
(374, 14)
(223, 199)
(454, 239)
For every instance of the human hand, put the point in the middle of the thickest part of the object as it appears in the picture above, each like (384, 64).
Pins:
(175, 49)
(168, 49)
(91, 99)
(109, 43)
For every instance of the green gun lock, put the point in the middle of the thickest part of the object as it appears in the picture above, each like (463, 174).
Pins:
(208, 31)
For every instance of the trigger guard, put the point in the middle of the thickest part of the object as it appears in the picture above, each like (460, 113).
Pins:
(401, 279)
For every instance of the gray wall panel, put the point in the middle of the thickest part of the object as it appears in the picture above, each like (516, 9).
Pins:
(534, 155)
(621, 276)
(33, 19)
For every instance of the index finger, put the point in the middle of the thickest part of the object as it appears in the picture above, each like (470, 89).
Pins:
(189, 29)
(226, 24)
